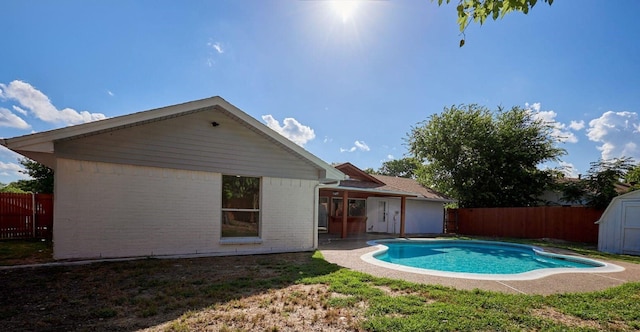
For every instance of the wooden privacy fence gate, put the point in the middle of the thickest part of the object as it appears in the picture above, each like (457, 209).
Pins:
(575, 224)
(26, 216)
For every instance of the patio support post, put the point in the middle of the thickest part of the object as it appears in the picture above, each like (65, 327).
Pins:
(403, 205)
(345, 212)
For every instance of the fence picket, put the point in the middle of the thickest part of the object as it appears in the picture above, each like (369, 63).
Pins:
(26, 216)
(576, 224)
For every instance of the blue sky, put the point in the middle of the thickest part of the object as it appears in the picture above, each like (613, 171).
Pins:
(346, 85)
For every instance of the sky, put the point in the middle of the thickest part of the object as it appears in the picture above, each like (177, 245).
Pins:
(345, 80)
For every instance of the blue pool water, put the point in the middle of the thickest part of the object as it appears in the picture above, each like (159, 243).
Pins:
(480, 257)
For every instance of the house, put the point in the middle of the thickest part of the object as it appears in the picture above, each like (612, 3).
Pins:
(201, 177)
(555, 196)
(379, 204)
(619, 225)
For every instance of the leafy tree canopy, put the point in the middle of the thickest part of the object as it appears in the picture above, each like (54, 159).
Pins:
(11, 188)
(370, 170)
(479, 10)
(404, 168)
(484, 158)
(602, 178)
(633, 177)
(42, 177)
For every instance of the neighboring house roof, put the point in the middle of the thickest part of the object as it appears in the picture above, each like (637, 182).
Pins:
(359, 180)
(41, 146)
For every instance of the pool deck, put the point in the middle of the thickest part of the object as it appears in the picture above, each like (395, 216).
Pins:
(347, 252)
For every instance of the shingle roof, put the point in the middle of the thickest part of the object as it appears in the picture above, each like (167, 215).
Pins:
(410, 185)
(358, 179)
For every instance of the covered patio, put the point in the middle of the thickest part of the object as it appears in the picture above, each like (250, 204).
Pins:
(336, 200)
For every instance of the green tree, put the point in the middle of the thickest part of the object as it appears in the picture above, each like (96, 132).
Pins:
(633, 177)
(370, 170)
(11, 188)
(483, 158)
(41, 177)
(601, 180)
(404, 168)
(479, 10)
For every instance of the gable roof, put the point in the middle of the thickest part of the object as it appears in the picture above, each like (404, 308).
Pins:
(359, 180)
(354, 172)
(632, 195)
(41, 146)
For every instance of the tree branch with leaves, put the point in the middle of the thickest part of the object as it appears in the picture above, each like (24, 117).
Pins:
(479, 10)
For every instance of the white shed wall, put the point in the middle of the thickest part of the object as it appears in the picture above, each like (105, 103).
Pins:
(619, 225)
(421, 217)
(115, 210)
(424, 217)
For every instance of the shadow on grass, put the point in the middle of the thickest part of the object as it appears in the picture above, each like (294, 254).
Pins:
(20, 252)
(143, 293)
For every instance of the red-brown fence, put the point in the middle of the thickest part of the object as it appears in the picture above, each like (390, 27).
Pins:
(26, 216)
(575, 224)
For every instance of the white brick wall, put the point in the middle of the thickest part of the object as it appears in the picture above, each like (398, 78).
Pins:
(112, 210)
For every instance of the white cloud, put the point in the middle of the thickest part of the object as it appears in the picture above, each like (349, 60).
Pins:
(110, 93)
(390, 157)
(617, 132)
(558, 130)
(577, 125)
(12, 170)
(8, 119)
(533, 107)
(357, 145)
(39, 105)
(568, 169)
(361, 145)
(291, 129)
(217, 46)
(352, 149)
(19, 110)
(327, 139)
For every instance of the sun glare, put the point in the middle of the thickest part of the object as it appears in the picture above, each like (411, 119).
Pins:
(345, 9)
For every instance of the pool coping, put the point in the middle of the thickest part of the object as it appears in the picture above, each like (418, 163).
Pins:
(347, 252)
(530, 275)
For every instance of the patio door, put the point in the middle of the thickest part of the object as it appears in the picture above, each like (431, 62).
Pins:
(382, 223)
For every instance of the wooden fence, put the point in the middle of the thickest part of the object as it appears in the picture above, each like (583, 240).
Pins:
(575, 224)
(26, 216)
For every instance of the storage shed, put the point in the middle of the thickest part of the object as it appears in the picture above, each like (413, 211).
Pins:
(619, 225)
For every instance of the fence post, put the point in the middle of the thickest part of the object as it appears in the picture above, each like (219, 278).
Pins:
(33, 213)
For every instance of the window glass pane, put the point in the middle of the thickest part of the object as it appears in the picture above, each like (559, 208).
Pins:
(239, 192)
(357, 207)
(240, 206)
(240, 224)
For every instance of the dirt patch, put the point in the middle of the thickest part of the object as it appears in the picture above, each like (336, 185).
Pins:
(295, 308)
(238, 292)
(568, 320)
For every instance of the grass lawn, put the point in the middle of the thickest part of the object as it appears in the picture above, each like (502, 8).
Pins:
(13, 252)
(284, 292)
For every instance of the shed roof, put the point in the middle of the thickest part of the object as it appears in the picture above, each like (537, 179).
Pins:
(630, 195)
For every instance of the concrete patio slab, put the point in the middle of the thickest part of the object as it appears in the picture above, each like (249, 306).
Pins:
(347, 253)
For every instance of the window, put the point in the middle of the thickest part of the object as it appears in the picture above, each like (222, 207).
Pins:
(240, 206)
(357, 207)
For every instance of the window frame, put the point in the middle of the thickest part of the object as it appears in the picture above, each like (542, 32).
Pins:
(241, 239)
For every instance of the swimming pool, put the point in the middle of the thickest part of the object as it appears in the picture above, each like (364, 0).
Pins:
(474, 259)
